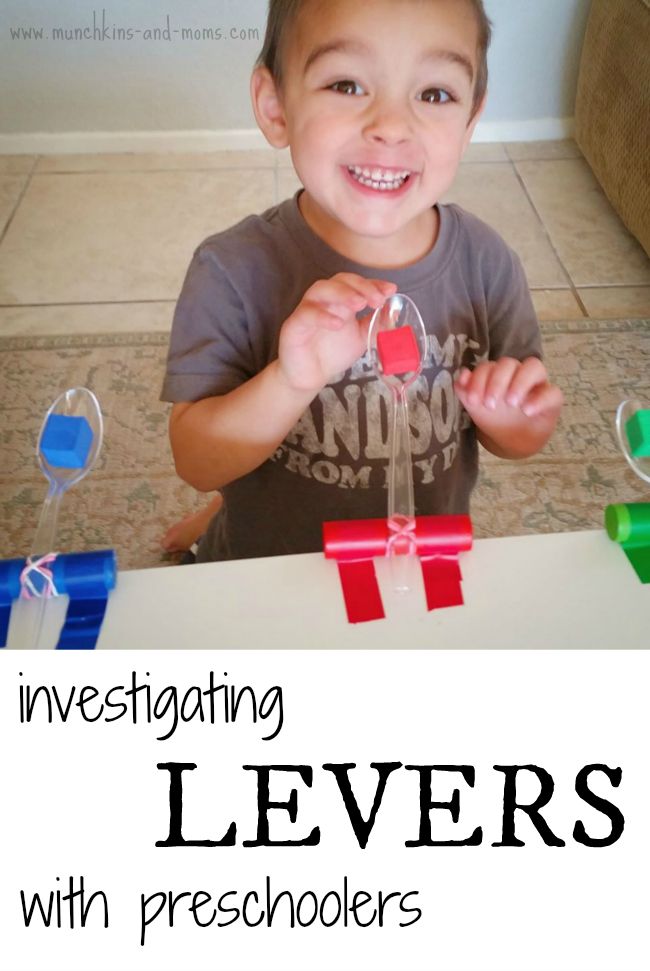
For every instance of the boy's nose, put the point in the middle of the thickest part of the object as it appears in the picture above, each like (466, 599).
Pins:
(388, 124)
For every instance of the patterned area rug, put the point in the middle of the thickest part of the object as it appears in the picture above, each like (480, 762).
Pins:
(133, 494)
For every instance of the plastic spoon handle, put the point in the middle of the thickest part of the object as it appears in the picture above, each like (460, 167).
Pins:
(32, 611)
(47, 522)
(400, 476)
(401, 506)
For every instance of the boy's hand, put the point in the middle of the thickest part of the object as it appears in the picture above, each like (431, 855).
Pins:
(323, 337)
(512, 404)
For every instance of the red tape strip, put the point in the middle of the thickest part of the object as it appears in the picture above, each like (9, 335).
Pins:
(360, 591)
(442, 578)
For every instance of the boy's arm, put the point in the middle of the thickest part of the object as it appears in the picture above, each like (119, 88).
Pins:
(218, 439)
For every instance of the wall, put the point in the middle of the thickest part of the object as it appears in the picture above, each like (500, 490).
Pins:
(75, 95)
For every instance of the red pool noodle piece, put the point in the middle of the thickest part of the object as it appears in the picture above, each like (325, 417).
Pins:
(354, 543)
(398, 350)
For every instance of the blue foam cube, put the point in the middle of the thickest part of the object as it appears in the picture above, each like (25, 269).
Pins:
(66, 441)
(637, 429)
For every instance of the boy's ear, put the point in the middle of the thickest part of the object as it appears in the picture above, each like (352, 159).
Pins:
(473, 122)
(268, 108)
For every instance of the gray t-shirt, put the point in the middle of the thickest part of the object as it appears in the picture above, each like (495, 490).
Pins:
(241, 286)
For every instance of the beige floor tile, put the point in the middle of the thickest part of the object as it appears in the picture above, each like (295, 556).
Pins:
(154, 161)
(485, 152)
(90, 238)
(10, 188)
(16, 164)
(616, 301)
(556, 305)
(288, 183)
(536, 151)
(107, 318)
(494, 194)
(589, 237)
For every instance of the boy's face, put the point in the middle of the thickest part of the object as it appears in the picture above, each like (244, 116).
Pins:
(377, 99)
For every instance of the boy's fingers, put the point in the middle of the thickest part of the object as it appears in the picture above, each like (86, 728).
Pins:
(499, 380)
(474, 388)
(365, 285)
(530, 373)
(542, 400)
(354, 292)
(463, 378)
(364, 325)
(341, 310)
(331, 292)
(311, 316)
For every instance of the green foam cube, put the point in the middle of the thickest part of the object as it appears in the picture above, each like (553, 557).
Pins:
(637, 429)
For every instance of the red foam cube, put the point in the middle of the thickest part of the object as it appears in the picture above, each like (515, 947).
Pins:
(398, 350)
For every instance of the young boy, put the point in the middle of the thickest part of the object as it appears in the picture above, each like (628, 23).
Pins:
(276, 403)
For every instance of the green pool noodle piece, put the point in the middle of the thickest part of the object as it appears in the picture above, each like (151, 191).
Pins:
(637, 429)
(629, 525)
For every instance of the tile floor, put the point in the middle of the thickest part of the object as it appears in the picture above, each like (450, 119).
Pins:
(101, 242)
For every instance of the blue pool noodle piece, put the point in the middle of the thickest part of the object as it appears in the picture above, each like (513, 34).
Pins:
(66, 441)
(87, 578)
(10, 571)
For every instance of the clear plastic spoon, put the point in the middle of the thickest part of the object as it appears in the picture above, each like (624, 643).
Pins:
(77, 403)
(639, 463)
(398, 367)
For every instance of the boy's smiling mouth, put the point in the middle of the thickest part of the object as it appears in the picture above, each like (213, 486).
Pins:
(379, 179)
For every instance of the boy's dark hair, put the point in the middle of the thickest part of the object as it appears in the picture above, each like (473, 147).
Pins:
(282, 14)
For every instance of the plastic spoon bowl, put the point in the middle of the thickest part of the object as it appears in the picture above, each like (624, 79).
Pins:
(399, 311)
(75, 402)
(640, 464)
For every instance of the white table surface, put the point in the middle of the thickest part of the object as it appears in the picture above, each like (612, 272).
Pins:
(557, 591)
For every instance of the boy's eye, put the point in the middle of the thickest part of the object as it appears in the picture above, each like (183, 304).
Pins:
(436, 96)
(346, 87)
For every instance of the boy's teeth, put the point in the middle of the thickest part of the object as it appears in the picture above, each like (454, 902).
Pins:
(378, 178)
